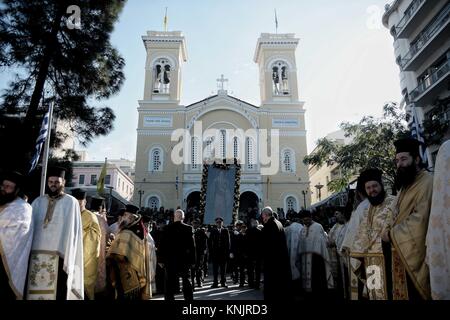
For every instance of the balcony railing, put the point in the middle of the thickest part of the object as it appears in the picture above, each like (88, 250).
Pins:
(426, 35)
(409, 13)
(430, 81)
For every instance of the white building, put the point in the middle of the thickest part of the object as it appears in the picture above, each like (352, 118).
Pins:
(86, 174)
(421, 31)
(127, 166)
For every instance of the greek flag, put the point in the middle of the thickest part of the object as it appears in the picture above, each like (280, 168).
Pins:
(40, 141)
(417, 133)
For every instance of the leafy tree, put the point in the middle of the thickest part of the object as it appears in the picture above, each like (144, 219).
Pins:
(52, 60)
(371, 147)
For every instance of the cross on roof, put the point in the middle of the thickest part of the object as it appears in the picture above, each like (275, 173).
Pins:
(221, 80)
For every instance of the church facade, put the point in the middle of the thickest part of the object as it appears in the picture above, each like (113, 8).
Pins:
(268, 140)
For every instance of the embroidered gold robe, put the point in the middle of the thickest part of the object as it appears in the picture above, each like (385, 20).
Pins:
(91, 251)
(130, 254)
(367, 247)
(352, 228)
(408, 237)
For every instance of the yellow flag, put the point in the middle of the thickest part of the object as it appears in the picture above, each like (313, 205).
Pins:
(101, 179)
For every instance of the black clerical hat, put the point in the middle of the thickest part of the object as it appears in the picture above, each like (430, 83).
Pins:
(56, 172)
(96, 202)
(407, 145)
(146, 218)
(219, 219)
(131, 208)
(360, 186)
(79, 194)
(305, 214)
(370, 175)
(14, 177)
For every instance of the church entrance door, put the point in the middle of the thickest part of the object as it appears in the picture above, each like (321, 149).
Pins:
(192, 205)
(248, 206)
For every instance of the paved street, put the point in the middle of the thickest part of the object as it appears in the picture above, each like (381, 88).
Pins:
(233, 292)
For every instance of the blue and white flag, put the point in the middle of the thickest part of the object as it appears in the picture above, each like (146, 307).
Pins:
(417, 133)
(40, 141)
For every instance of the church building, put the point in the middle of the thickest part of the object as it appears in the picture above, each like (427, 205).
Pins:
(162, 181)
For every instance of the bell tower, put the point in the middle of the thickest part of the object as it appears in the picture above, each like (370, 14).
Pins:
(166, 51)
(275, 56)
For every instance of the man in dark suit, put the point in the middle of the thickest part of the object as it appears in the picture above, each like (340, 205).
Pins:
(219, 248)
(177, 252)
(254, 253)
(201, 243)
(156, 234)
(277, 270)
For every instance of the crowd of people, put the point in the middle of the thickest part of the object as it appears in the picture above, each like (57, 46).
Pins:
(377, 247)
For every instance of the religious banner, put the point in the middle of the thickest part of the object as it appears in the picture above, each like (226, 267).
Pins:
(219, 195)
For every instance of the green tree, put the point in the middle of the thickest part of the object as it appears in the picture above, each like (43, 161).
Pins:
(55, 60)
(371, 147)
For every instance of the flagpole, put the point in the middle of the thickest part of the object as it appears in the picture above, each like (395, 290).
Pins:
(276, 22)
(165, 21)
(46, 150)
(176, 185)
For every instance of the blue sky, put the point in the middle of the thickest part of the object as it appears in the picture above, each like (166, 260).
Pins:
(345, 59)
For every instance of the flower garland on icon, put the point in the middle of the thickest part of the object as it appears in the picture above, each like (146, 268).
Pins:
(237, 183)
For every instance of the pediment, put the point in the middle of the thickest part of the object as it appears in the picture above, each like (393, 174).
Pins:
(223, 102)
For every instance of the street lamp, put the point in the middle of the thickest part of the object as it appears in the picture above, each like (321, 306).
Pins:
(140, 192)
(304, 192)
(318, 187)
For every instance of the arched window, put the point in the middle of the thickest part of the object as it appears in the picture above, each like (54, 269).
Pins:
(209, 148)
(288, 161)
(291, 204)
(236, 148)
(223, 144)
(280, 78)
(195, 160)
(156, 160)
(153, 202)
(250, 153)
(161, 71)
